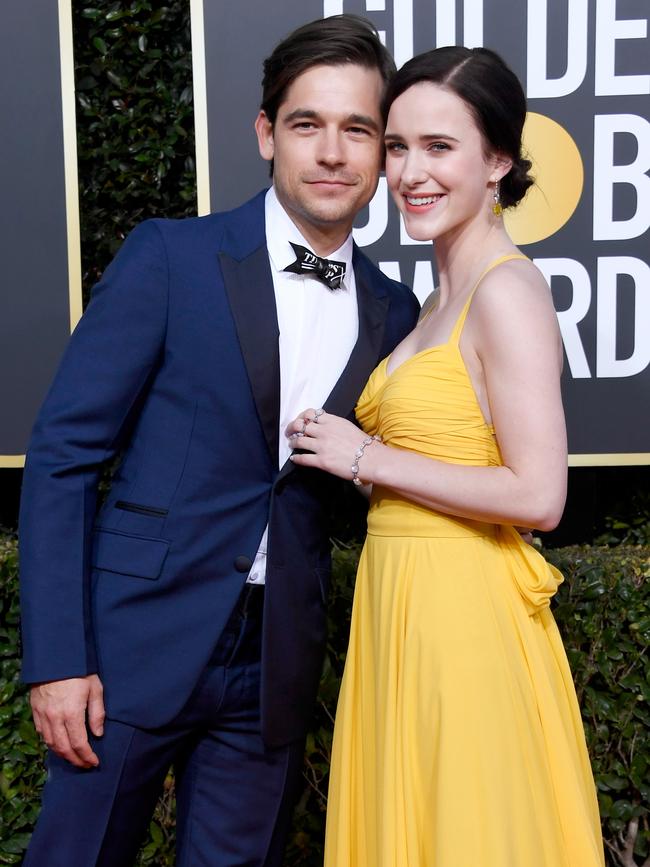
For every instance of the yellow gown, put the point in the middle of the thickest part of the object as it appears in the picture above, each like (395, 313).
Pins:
(458, 738)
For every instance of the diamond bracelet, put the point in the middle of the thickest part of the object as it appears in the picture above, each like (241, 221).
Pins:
(359, 454)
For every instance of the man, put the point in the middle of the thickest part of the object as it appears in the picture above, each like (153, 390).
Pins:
(190, 609)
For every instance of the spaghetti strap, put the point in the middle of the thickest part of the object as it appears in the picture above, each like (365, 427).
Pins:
(460, 322)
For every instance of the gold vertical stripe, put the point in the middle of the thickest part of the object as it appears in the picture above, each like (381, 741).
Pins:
(70, 160)
(202, 156)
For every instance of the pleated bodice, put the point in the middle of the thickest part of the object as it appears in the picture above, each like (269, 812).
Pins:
(428, 405)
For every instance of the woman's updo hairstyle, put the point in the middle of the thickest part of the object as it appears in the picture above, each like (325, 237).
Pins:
(492, 93)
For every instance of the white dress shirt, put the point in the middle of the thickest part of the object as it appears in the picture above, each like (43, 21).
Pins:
(318, 330)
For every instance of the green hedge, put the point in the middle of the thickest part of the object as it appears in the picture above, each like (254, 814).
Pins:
(135, 120)
(603, 609)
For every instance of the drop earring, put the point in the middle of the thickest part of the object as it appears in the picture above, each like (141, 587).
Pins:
(497, 210)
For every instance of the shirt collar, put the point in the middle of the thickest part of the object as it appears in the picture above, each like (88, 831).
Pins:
(281, 230)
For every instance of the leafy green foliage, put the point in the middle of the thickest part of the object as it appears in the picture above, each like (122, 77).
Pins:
(631, 526)
(21, 772)
(602, 609)
(135, 120)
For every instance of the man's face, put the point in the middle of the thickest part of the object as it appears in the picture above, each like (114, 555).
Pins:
(327, 149)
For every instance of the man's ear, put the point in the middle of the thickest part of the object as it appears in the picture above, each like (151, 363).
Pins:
(264, 131)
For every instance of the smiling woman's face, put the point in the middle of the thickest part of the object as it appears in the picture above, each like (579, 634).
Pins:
(436, 166)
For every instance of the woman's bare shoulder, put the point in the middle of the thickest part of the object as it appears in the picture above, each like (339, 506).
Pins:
(513, 287)
(512, 315)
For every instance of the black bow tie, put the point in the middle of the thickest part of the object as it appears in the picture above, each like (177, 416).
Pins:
(326, 270)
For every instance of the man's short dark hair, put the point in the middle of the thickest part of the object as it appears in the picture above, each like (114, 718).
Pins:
(332, 41)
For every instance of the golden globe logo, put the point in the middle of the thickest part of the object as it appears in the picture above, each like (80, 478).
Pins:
(559, 179)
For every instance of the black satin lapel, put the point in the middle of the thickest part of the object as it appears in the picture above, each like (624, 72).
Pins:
(249, 286)
(365, 355)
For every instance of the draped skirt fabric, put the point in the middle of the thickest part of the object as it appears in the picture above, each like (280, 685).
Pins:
(458, 738)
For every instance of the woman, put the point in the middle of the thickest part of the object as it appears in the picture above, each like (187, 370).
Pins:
(458, 739)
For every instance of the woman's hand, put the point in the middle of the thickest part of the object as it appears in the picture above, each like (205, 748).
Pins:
(331, 443)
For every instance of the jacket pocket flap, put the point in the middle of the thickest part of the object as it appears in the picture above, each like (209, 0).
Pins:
(128, 555)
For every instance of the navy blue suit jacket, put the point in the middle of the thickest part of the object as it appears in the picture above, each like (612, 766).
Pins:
(174, 367)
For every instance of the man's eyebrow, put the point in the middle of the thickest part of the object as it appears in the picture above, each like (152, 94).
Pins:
(306, 113)
(363, 120)
(310, 114)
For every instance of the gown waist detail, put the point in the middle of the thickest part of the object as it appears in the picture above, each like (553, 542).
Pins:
(394, 516)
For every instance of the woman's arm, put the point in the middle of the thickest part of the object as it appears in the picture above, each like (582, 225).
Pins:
(513, 329)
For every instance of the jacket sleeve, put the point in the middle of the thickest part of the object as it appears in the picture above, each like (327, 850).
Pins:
(105, 371)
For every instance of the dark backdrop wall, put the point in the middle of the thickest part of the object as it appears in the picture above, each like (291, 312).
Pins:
(136, 158)
(40, 281)
(586, 70)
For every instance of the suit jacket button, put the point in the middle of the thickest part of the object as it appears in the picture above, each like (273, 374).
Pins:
(243, 563)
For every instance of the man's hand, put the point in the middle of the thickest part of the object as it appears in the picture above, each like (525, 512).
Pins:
(59, 708)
